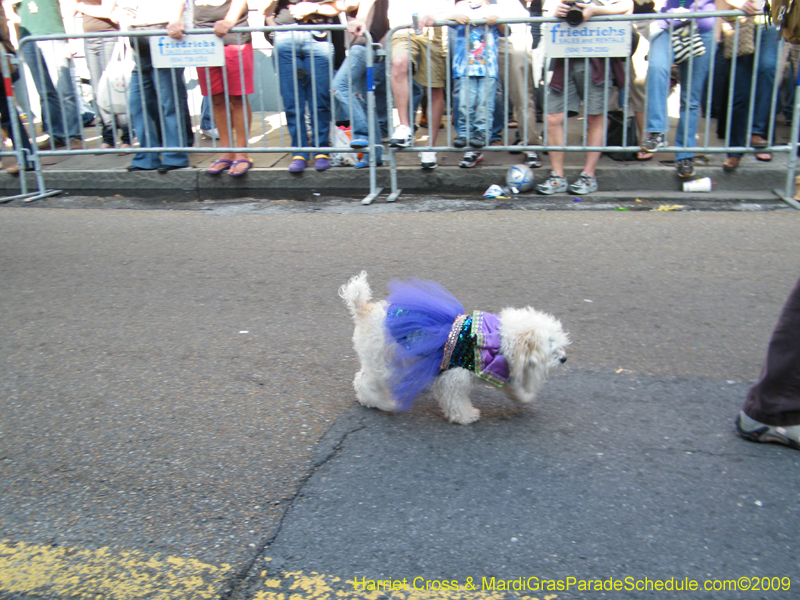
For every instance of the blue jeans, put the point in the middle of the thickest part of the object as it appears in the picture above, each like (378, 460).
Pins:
(477, 102)
(300, 54)
(356, 64)
(152, 95)
(765, 80)
(49, 66)
(658, 73)
(205, 114)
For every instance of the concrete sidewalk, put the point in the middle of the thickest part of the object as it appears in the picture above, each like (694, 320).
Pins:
(105, 174)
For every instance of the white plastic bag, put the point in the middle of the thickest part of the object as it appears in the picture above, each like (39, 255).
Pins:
(114, 84)
(342, 159)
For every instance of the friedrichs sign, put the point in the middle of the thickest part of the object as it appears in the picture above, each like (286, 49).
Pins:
(201, 50)
(590, 38)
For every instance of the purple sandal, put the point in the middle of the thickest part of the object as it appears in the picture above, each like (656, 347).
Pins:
(219, 165)
(247, 161)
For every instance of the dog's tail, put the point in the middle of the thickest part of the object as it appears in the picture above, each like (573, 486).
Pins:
(357, 294)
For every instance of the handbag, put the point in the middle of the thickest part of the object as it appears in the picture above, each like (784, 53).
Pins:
(685, 45)
(614, 135)
(112, 89)
(747, 36)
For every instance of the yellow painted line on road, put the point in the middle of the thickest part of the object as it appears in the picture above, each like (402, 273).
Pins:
(315, 586)
(104, 573)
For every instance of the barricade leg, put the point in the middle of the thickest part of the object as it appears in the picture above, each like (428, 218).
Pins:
(24, 150)
(791, 168)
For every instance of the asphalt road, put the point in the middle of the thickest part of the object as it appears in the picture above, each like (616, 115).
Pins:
(177, 420)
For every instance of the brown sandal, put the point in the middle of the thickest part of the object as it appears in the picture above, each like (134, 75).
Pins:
(731, 163)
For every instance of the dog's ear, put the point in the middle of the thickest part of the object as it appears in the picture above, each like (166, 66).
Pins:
(526, 355)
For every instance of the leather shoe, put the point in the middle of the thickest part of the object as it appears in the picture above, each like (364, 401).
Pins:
(132, 168)
(731, 163)
(165, 168)
(758, 142)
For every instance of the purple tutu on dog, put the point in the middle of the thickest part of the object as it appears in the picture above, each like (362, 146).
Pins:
(433, 334)
(419, 317)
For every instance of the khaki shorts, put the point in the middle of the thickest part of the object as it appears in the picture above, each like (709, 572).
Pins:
(592, 97)
(416, 46)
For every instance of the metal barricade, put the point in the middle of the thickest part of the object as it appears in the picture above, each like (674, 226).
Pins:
(700, 143)
(286, 64)
(180, 128)
(24, 147)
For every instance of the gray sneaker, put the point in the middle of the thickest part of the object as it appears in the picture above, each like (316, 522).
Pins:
(653, 142)
(753, 430)
(553, 185)
(586, 184)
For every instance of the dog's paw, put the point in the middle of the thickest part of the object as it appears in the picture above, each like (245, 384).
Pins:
(465, 417)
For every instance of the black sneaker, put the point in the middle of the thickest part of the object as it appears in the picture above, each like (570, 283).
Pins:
(685, 168)
(477, 142)
(653, 142)
(470, 159)
(460, 141)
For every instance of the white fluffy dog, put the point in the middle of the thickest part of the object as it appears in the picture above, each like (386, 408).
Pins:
(529, 346)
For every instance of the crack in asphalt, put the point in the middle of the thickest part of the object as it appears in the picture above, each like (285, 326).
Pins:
(334, 438)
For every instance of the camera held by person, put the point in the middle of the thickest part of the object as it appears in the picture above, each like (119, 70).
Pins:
(574, 14)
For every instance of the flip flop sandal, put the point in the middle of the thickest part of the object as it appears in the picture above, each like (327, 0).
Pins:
(760, 156)
(218, 166)
(247, 161)
(642, 156)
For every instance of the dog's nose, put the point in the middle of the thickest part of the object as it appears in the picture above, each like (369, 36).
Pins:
(563, 359)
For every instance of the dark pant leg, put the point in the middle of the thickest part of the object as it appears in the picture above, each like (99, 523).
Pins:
(775, 399)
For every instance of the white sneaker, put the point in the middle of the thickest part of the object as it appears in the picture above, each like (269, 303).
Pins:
(401, 138)
(428, 160)
(211, 133)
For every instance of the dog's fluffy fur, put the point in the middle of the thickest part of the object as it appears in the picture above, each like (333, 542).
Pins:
(532, 342)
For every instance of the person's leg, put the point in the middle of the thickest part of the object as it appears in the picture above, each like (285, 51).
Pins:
(741, 104)
(320, 99)
(381, 89)
(222, 123)
(482, 106)
(402, 53)
(658, 74)
(556, 182)
(594, 137)
(771, 412)
(437, 112)
(50, 109)
(238, 104)
(520, 91)
(168, 86)
(765, 81)
(691, 98)
(96, 63)
(461, 112)
(290, 59)
(205, 111)
(555, 137)
(143, 125)
(55, 54)
(353, 71)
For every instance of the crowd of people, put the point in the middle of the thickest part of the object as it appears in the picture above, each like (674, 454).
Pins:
(323, 78)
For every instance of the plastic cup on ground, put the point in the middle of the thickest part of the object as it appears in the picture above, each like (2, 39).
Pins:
(698, 185)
